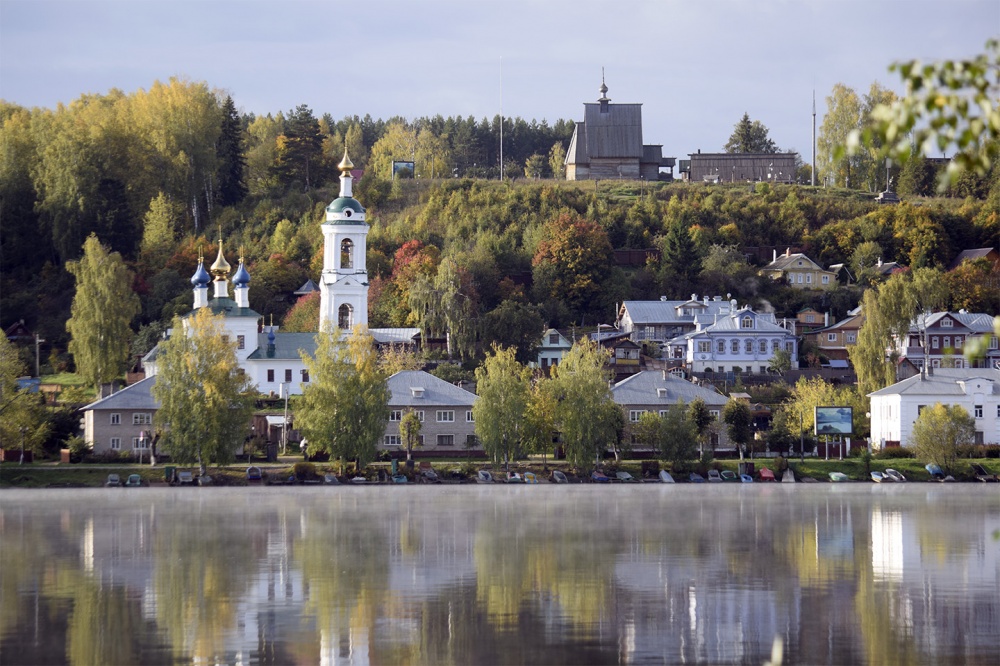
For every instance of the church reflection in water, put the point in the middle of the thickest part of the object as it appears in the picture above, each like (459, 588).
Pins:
(525, 574)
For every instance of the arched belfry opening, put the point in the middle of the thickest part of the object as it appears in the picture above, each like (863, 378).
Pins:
(345, 317)
(347, 253)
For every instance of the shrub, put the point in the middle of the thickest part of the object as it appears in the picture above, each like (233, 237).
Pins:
(979, 451)
(304, 471)
(894, 453)
(108, 458)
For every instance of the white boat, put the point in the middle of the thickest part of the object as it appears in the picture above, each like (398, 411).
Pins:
(714, 476)
(558, 476)
(879, 477)
(839, 477)
(484, 476)
(665, 477)
(788, 476)
(895, 476)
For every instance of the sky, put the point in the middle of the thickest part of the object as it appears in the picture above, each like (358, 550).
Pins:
(695, 66)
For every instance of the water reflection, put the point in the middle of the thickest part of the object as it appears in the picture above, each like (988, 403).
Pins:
(454, 575)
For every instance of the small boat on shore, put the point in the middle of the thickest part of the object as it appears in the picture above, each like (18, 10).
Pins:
(729, 475)
(839, 477)
(878, 477)
(746, 478)
(788, 476)
(484, 476)
(558, 476)
(529, 477)
(895, 476)
(665, 477)
(695, 477)
(714, 476)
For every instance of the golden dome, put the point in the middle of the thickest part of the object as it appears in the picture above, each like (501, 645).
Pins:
(345, 164)
(220, 269)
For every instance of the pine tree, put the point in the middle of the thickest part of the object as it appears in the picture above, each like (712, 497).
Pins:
(205, 400)
(300, 150)
(750, 136)
(232, 164)
(101, 314)
(680, 254)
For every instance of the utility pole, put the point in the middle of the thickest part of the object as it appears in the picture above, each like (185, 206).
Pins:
(38, 342)
(813, 178)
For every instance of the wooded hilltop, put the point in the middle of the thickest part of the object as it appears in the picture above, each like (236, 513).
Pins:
(160, 175)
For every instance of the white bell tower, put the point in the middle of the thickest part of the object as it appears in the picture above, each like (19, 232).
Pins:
(344, 283)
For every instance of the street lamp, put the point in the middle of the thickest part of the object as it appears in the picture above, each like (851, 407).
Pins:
(23, 430)
(284, 424)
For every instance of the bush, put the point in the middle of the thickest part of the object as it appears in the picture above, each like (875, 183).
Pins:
(979, 451)
(108, 458)
(895, 453)
(304, 471)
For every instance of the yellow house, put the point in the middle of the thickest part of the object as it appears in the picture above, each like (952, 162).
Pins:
(800, 272)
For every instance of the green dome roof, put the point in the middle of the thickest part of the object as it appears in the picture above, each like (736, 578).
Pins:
(342, 204)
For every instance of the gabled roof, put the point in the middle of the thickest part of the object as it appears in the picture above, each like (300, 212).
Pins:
(615, 133)
(136, 396)
(308, 288)
(227, 307)
(943, 383)
(853, 321)
(564, 342)
(436, 392)
(971, 255)
(396, 336)
(786, 262)
(976, 322)
(666, 312)
(643, 387)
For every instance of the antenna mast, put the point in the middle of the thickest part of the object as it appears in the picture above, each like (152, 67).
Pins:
(501, 118)
(813, 177)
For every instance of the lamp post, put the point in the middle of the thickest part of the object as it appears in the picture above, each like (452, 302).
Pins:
(23, 430)
(142, 444)
(284, 423)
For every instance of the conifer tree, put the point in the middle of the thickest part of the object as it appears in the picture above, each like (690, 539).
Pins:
(101, 314)
(232, 164)
(205, 400)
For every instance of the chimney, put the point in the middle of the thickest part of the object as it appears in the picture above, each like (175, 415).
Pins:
(788, 251)
(826, 319)
(774, 255)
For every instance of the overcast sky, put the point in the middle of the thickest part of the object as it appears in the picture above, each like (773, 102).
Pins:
(695, 65)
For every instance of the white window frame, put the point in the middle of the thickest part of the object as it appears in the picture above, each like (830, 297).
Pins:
(420, 415)
(946, 342)
(978, 411)
(734, 346)
(393, 440)
(445, 416)
(831, 337)
(136, 440)
(748, 346)
(720, 347)
(947, 323)
(635, 414)
(116, 443)
(852, 338)
(746, 322)
(241, 342)
(469, 416)
(704, 346)
(115, 418)
(441, 441)
(142, 418)
(762, 347)
(935, 342)
(716, 413)
(809, 278)
(395, 415)
(825, 279)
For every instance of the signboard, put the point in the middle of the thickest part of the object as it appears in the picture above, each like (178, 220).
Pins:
(834, 421)
(402, 169)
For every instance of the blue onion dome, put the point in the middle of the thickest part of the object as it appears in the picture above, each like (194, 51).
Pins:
(270, 336)
(201, 276)
(242, 277)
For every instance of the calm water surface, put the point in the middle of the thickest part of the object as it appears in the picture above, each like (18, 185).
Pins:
(652, 574)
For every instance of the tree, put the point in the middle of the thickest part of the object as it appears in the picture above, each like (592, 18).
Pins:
(22, 415)
(399, 142)
(300, 151)
(557, 160)
(678, 434)
(445, 305)
(514, 324)
(158, 235)
(702, 419)
(781, 361)
(950, 104)
(345, 406)
(303, 317)
(409, 432)
(503, 386)
(843, 116)
(680, 254)
(534, 166)
(750, 137)
(739, 421)
(572, 263)
(584, 410)
(101, 314)
(229, 151)
(889, 312)
(206, 401)
(938, 432)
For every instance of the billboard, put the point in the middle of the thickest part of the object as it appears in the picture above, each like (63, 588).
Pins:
(834, 421)
(402, 169)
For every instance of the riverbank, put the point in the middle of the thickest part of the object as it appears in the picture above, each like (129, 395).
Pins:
(63, 475)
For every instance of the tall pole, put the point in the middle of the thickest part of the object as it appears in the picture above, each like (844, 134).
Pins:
(23, 430)
(813, 178)
(284, 426)
(501, 118)
(802, 438)
(38, 342)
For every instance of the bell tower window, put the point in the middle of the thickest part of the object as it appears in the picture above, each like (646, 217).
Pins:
(345, 316)
(347, 253)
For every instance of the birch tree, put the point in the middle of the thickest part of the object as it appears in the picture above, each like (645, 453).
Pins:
(504, 387)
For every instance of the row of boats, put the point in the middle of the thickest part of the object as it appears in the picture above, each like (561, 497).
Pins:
(597, 476)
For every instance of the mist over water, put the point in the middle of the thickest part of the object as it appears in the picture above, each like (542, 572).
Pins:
(842, 573)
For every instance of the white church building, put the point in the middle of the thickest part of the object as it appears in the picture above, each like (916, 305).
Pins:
(272, 359)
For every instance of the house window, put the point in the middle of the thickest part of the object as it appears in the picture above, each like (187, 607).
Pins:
(116, 443)
(798, 278)
(553, 338)
(288, 374)
(789, 346)
(810, 319)
(635, 414)
(762, 346)
(469, 416)
(704, 346)
(446, 440)
(715, 413)
(775, 345)
(831, 337)
(934, 342)
(392, 440)
(142, 418)
(947, 341)
(241, 342)
(420, 415)
(851, 338)
(471, 441)
(809, 278)
(140, 443)
(825, 279)
(748, 346)
(958, 342)
(979, 438)
(720, 346)
(978, 411)
(446, 416)
(735, 346)
(663, 412)
(116, 419)
(270, 376)
(305, 376)
(998, 411)
(747, 322)
(946, 323)
(225, 339)
(396, 415)
(920, 409)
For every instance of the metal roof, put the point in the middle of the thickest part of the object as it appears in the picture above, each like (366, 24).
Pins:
(615, 133)
(643, 389)
(287, 346)
(436, 392)
(943, 382)
(136, 396)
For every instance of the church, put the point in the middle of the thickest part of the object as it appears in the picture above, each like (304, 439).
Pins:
(272, 359)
